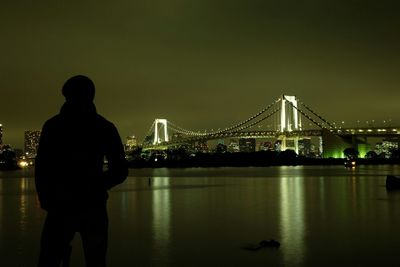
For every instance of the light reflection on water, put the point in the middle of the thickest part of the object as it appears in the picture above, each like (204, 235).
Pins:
(292, 219)
(161, 208)
(323, 216)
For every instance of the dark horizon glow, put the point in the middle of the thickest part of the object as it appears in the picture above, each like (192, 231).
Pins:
(201, 64)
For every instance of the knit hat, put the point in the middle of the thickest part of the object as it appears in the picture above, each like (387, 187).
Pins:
(79, 89)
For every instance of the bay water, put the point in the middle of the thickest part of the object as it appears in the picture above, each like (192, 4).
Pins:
(321, 215)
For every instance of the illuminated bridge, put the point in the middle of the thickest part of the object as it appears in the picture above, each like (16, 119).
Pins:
(286, 120)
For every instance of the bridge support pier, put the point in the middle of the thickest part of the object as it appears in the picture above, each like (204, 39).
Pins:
(289, 143)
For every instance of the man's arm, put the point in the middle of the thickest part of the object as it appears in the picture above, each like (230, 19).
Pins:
(117, 165)
(42, 165)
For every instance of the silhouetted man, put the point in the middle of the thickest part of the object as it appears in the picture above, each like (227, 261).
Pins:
(70, 180)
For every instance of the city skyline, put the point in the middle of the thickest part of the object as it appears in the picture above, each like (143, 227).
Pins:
(200, 64)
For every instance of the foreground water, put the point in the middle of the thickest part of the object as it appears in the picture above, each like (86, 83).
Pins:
(323, 216)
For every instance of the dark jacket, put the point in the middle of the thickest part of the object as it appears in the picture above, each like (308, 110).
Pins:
(69, 171)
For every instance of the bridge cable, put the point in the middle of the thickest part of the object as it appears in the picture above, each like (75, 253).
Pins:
(249, 119)
(220, 133)
(307, 116)
(182, 130)
(309, 109)
(259, 120)
(151, 129)
(228, 129)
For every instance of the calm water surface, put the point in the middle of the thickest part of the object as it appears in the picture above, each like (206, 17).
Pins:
(323, 216)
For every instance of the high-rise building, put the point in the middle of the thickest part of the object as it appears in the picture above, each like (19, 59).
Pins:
(266, 146)
(131, 143)
(247, 144)
(233, 146)
(385, 148)
(305, 147)
(202, 147)
(31, 143)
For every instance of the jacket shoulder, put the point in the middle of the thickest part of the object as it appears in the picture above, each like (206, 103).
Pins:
(52, 122)
(104, 122)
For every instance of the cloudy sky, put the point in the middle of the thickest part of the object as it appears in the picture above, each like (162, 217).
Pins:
(199, 63)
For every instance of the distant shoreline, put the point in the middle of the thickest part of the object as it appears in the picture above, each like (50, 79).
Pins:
(251, 160)
(212, 161)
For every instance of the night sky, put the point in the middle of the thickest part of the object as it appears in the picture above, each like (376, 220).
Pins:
(200, 63)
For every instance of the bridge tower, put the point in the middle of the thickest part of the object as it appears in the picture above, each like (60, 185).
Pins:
(289, 121)
(160, 130)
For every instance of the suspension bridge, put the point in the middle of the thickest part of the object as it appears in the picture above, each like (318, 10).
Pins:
(286, 120)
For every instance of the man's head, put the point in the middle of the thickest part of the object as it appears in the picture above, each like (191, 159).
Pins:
(79, 89)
